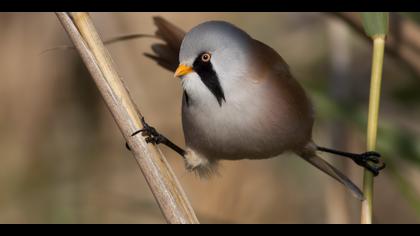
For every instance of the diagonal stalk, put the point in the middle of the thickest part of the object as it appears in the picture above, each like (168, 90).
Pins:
(158, 174)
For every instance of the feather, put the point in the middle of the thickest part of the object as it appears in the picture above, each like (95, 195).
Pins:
(166, 54)
(330, 170)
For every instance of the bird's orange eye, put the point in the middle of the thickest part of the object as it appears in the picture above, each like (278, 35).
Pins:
(205, 57)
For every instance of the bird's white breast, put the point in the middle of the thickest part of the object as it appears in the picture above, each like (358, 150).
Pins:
(247, 125)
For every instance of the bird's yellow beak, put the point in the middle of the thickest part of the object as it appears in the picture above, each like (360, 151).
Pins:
(182, 70)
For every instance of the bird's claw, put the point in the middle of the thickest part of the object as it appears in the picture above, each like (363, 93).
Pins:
(150, 133)
(371, 161)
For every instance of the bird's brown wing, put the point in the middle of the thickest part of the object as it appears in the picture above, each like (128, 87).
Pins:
(299, 109)
(166, 54)
(290, 95)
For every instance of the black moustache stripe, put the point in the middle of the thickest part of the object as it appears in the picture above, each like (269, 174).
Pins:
(210, 79)
(187, 98)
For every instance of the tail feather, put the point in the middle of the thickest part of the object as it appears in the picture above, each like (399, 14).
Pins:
(327, 168)
(166, 54)
(170, 33)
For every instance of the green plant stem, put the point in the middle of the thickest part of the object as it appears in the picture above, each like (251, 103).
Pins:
(372, 127)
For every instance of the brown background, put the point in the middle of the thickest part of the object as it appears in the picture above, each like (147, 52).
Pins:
(63, 160)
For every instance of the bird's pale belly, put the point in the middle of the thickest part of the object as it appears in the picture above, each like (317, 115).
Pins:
(238, 132)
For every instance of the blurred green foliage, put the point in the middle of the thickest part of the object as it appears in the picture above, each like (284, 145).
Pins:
(394, 141)
(415, 16)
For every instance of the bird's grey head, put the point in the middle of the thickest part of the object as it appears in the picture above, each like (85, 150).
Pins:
(212, 56)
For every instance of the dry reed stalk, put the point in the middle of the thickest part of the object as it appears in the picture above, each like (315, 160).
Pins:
(159, 176)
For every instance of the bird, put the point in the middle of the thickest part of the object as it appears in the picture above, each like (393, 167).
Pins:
(240, 101)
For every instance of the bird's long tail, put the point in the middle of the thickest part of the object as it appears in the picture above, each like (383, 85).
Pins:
(310, 156)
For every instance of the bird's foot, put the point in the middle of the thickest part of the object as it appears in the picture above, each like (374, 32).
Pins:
(370, 160)
(150, 133)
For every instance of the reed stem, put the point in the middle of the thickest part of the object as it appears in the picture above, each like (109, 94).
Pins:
(159, 176)
(374, 98)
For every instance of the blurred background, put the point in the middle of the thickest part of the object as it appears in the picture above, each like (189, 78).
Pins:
(63, 159)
